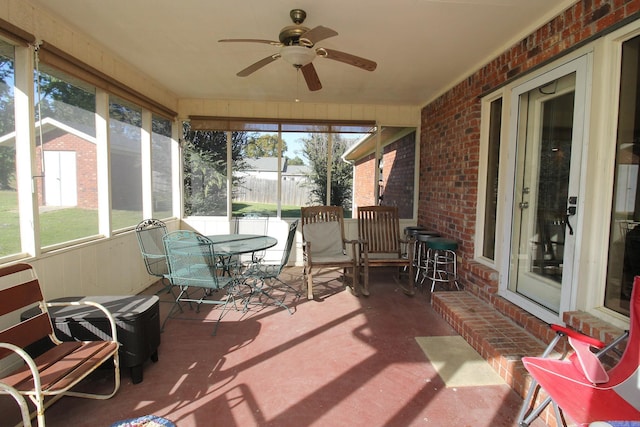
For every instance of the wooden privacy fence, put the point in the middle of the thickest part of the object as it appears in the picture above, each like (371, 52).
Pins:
(258, 190)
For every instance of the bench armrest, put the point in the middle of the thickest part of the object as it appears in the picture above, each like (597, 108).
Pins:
(28, 360)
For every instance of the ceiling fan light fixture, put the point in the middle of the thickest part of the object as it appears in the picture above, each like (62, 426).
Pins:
(297, 55)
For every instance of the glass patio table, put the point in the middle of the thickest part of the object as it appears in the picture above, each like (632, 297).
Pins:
(237, 244)
(229, 245)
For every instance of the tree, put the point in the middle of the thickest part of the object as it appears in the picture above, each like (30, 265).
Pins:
(296, 161)
(68, 103)
(316, 151)
(265, 145)
(205, 169)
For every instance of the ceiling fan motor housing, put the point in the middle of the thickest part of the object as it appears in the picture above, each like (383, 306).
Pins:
(291, 35)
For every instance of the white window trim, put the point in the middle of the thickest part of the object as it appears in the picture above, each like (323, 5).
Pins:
(482, 179)
(604, 127)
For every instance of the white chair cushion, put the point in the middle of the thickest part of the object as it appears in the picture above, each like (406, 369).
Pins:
(325, 239)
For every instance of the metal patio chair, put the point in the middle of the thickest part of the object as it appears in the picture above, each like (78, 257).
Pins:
(266, 276)
(251, 223)
(194, 266)
(150, 233)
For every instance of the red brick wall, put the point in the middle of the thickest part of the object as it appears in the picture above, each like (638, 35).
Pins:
(86, 166)
(397, 175)
(364, 181)
(449, 139)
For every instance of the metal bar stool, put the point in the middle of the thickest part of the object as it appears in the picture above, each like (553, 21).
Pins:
(441, 254)
(409, 235)
(422, 263)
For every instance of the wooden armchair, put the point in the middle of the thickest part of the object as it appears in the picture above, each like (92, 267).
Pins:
(55, 372)
(324, 244)
(382, 244)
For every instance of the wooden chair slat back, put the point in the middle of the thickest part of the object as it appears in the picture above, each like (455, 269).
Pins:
(380, 227)
(19, 296)
(24, 293)
(26, 332)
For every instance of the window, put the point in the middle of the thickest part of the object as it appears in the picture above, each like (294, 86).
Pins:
(9, 222)
(255, 173)
(66, 157)
(276, 167)
(328, 179)
(56, 159)
(624, 240)
(491, 191)
(125, 148)
(161, 179)
(205, 172)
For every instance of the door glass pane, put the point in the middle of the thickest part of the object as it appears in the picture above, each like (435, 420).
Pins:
(9, 217)
(624, 240)
(542, 193)
(66, 158)
(125, 137)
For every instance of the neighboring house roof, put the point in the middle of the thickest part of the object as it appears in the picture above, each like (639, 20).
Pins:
(119, 143)
(264, 164)
(270, 164)
(49, 124)
(297, 170)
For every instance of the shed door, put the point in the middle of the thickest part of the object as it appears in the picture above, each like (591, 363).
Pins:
(60, 182)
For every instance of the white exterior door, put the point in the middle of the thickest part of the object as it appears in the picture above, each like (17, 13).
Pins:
(548, 115)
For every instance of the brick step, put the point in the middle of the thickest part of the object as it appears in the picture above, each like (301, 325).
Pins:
(500, 340)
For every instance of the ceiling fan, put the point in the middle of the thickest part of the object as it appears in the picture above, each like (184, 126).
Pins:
(297, 45)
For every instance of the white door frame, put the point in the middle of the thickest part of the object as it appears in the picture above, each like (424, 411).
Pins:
(581, 66)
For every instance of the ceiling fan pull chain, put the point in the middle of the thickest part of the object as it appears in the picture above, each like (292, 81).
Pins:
(297, 84)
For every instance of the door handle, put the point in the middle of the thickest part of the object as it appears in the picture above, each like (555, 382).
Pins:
(571, 211)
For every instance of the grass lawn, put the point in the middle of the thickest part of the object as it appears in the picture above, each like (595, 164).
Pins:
(56, 226)
(269, 209)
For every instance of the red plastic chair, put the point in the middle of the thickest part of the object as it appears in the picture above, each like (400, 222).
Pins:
(581, 387)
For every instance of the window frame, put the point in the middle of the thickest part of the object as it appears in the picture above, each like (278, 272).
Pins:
(25, 63)
(276, 127)
(501, 208)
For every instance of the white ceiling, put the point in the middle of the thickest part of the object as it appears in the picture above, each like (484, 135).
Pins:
(421, 47)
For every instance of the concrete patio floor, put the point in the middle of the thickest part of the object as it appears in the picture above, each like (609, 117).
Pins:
(337, 360)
